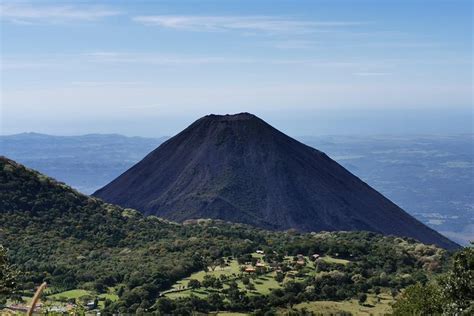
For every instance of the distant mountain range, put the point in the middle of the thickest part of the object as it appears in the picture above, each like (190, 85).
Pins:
(240, 169)
(430, 176)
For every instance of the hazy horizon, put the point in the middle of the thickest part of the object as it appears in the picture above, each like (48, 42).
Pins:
(363, 123)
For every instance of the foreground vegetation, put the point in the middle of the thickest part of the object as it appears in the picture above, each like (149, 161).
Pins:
(128, 262)
(450, 294)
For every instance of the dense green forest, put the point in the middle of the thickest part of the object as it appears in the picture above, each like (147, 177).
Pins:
(73, 241)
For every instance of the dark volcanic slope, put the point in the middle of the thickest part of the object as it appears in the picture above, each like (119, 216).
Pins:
(239, 168)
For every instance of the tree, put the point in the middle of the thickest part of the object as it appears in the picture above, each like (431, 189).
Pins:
(194, 284)
(208, 280)
(222, 263)
(458, 284)
(165, 306)
(8, 275)
(213, 264)
(217, 284)
(454, 295)
(279, 277)
(250, 287)
(216, 300)
(419, 300)
(99, 286)
(362, 298)
(120, 291)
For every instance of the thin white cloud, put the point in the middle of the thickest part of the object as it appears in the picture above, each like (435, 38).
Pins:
(30, 14)
(95, 59)
(23, 64)
(107, 83)
(372, 74)
(157, 59)
(294, 44)
(240, 23)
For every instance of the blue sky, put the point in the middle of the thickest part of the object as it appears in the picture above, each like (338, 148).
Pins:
(308, 67)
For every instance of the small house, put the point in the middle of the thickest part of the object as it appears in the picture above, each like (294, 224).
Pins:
(250, 270)
(92, 304)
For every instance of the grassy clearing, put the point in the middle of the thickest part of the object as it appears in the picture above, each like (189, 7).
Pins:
(263, 284)
(328, 259)
(109, 296)
(106, 296)
(371, 307)
(334, 260)
(258, 256)
(77, 293)
(232, 268)
(202, 293)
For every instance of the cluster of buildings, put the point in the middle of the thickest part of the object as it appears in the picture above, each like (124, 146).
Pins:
(300, 259)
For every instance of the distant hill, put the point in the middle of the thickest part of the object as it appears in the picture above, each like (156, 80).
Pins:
(239, 168)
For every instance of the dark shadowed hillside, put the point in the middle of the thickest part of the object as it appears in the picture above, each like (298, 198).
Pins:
(239, 168)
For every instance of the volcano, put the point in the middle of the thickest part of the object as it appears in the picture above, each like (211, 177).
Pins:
(238, 168)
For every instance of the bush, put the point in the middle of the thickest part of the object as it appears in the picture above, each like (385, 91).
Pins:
(194, 284)
(362, 298)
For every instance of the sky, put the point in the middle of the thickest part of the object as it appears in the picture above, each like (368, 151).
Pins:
(150, 68)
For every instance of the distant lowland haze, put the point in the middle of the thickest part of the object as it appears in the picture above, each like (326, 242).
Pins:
(431, 177)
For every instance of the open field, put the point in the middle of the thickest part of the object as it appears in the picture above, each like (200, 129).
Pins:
(327, 259)
(371, 307)
(263, 283)
(232, 268)
(202, 293)
(108, 296)
(334, 260)
(77, 293)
